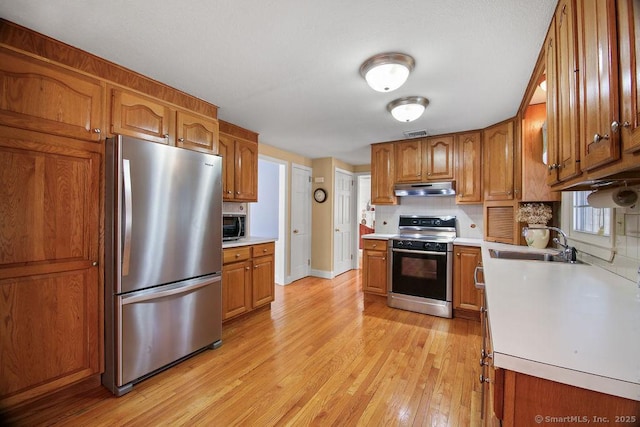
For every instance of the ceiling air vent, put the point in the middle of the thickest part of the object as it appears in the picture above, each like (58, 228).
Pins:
(415, 133)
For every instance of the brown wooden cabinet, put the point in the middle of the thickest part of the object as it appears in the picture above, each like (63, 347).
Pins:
(248, 278)
(51, 333)
(374, 266)
(469, 168)
(438, 153)
(629, 50)
(383, 168)
(50, 99)
(597, 45)
(408, 160)
(140, 116)
(562, 94)
(498, 154)
(467, 300)
(429, 159)
(240, 163)
(196, 132)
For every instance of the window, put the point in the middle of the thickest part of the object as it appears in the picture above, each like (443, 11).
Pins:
(587, 219)
(589, 229)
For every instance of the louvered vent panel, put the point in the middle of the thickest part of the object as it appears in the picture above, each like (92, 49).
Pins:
(500, 221)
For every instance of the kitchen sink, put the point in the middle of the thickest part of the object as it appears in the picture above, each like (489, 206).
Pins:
(528, 256)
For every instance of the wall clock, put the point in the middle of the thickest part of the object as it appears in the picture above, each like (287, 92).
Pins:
(320, 195)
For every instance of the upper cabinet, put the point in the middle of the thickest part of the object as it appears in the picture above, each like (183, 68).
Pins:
(469, 168)
(240, 163)
(420, 160)
(438, 155)
(498, 156)
(382, 174)
(629, 49)
(597, 46)
(562, 95)
(196, 132)
(46, 98)
(140, 116)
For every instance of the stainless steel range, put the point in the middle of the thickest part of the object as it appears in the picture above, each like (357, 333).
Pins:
(421, 265)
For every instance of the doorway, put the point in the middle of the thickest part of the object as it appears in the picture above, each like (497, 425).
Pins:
(365, 212)
(344, 224)
(267, 217)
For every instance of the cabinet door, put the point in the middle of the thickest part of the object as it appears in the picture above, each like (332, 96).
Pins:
(568, 150)
(236, 289)
(226, 148)
(552, 104)
(246, 171)
(50, 202)
(438, 155)
(382, 174)
(49, 99)
(408, 155)
(374, 265)
(196, 132)
(469, 168)
(140, 117)
(498, 162)
(263, 281)
(465, 295)
(599, 83)
(629, 45)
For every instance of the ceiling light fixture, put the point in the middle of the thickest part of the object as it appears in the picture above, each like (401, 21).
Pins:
(387, 71)
(407, 109)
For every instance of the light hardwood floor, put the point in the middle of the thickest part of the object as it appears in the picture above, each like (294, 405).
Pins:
(324, 354)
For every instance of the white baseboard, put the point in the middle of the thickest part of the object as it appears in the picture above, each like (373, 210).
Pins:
(322, 274)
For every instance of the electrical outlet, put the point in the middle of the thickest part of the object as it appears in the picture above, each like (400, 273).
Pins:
(620, 225)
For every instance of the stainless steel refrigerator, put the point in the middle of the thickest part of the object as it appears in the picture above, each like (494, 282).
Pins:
(163, 258)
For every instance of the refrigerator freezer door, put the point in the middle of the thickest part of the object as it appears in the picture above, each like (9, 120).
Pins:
(162, 325)
(170, 203)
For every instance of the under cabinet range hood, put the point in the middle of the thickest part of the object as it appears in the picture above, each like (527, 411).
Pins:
(426, 189)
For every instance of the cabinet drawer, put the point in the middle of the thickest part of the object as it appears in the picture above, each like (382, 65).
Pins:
(236, 254)
(263, 249)
(375, 245)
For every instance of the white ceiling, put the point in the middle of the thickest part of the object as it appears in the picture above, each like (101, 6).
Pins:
(289, 69)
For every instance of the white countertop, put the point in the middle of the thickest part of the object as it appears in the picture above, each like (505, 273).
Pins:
(247, 241)
(380, 236)
(572, 323)
(468, 241)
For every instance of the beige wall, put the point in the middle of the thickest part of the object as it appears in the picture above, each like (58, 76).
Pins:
(321, 213)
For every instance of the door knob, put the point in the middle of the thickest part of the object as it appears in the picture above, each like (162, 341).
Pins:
(295, 231)
(337, 229)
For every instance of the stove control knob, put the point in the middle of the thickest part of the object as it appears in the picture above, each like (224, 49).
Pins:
(438, 222)
(409, 244)
(427, 245)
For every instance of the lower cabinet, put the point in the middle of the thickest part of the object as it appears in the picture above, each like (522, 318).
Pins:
(466, 298)
(374, 266)
(248, 279)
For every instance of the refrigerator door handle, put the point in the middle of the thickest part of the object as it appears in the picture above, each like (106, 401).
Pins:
(128, 216)
(184, 287)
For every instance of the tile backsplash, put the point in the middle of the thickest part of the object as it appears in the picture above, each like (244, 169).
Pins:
(469, 217)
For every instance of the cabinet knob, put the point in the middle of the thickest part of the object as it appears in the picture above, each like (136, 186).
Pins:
(94, 263)
(384, 258)
(484, 379)
(237, 255)
(374, 245)
(264, 250)
(228, 191)
(237, 192)
(165, 136)
(255, 266)
(597, 137)
(97, 130)
(246, 268)
(457, 253)
(181, 139)
(553, 166)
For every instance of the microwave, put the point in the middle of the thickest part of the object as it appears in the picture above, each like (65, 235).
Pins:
(233, 226)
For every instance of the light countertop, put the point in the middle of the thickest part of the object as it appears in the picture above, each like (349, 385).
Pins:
(572, 323)
(247, 241)
(380, 236)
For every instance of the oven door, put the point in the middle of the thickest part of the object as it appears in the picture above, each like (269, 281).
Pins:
(421, 274)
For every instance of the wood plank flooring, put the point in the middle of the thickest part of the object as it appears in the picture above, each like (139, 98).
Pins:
(324, 354)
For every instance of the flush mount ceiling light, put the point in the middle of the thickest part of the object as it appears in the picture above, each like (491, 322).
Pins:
(387, 71)
(407, 109)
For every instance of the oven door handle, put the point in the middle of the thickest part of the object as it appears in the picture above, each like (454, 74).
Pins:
(408, 251)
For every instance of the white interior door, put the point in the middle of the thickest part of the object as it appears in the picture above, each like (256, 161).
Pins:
(300, 222)
(343, 223)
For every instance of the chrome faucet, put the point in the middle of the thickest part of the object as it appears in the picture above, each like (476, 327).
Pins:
(568, 252)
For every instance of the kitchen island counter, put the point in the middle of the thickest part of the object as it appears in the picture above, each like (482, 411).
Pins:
(575, 324)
